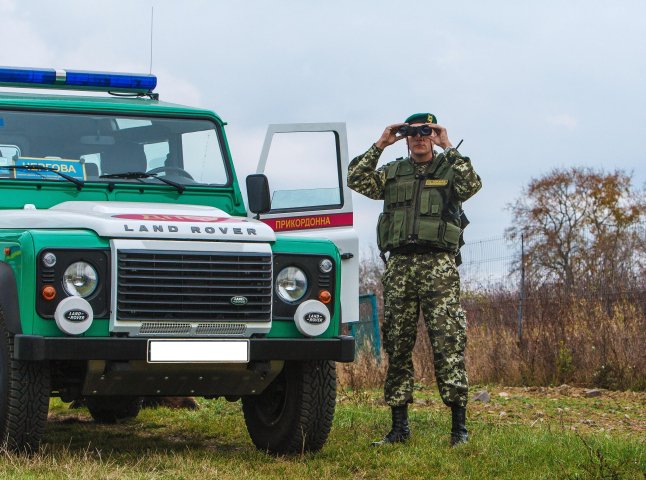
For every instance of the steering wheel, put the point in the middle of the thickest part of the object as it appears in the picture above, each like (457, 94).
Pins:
(164, 168)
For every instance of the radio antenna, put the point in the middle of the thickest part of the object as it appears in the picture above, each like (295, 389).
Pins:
(152, 16)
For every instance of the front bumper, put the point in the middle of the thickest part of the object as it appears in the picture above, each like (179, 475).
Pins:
(37, 348)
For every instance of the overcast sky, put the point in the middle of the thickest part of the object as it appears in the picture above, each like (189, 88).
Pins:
(529, 86)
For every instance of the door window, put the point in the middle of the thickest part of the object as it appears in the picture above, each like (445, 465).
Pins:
(310, 157)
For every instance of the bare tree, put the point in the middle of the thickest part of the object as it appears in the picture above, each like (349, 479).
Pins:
(579, 227)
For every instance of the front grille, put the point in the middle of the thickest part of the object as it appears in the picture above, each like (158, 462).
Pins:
(221, 329)
(174, 328)
(193, 286)
(149, 328)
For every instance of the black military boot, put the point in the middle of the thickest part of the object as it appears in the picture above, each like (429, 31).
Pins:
(458, 426)
(400, 432)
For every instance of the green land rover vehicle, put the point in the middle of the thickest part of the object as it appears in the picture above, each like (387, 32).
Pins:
(130, 267)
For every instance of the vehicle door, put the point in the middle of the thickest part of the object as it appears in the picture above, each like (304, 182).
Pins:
(307, 165)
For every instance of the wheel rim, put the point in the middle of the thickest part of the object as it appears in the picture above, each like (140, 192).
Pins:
(271, 403)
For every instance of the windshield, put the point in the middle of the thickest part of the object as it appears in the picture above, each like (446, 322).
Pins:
(89, 146)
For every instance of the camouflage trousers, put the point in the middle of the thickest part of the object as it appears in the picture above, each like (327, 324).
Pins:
(430, 282)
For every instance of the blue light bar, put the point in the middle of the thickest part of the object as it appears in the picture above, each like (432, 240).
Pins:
(108, 81)
(17, 75)
(77, 80)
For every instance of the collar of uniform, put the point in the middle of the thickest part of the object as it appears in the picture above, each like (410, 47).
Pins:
(418, 167)
(437, 159)
(431, 166)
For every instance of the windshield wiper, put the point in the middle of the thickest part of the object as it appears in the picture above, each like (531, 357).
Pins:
(79, 183)
(138, 175)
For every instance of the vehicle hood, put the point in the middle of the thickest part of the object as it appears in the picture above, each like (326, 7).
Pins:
(141, 220)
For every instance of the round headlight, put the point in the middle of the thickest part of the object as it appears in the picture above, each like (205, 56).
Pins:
(80, 279)
(291, 284)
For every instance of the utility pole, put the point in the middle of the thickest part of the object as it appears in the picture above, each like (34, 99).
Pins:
(521, 302)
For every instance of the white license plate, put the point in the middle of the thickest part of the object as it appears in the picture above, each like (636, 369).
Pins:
(196, 351)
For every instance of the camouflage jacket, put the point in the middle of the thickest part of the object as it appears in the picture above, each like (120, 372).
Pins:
(366, 179)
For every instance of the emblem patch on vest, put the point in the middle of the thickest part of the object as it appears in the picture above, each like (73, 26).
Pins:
(436, 182)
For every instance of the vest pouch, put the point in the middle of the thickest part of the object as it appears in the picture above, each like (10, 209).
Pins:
(391, 229)
(398, 227)
(391, 171)
(401, 192)
(430, 202)
(390, 194)
(452, 235)
(405, 192)
(425, 202)
(429, 229)
(409, 191)
(383, 228)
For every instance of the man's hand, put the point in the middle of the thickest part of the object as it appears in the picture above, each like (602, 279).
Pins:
(390, 136)
(439, 136)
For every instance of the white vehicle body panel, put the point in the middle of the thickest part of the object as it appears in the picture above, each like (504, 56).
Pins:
(335, 224)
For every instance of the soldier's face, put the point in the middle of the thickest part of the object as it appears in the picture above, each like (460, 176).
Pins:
(418, 145)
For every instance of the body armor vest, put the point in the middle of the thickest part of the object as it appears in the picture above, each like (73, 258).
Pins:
(420, 207)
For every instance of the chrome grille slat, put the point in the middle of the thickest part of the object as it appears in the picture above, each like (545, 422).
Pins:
(160, 328)
(184, 278)
(184, 311)
(221, 329)
(168, 286)
(219, 287)
(172, 304)
(198, 262)
(238, 291)
(169, 328)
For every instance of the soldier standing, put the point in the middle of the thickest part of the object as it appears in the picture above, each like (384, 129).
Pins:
(420, 228)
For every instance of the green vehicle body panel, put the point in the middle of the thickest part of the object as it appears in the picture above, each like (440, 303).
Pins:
(47, 194)
(35, 241)
(26, 245)
(20, 248)
(282, 328)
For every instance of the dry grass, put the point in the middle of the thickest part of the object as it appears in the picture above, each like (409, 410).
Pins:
(581, 340)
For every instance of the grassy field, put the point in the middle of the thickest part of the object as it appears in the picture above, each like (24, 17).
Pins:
(522, 433)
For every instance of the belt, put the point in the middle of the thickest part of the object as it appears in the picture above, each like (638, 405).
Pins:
(413, 248)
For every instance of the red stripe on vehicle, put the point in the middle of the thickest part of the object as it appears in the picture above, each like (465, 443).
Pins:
(176, 218)
(310, 222)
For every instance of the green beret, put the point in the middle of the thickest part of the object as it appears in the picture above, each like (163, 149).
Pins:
(421, 118)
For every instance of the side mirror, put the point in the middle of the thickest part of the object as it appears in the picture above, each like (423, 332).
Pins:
(258, 193)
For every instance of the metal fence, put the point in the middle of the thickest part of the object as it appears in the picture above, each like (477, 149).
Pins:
(366, 330)
(496, 265)
(497, 262)
(489, 265)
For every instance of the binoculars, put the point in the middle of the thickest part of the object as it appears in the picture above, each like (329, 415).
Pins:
(408, 131)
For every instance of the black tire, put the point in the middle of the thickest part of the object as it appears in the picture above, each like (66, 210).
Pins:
(112, 409)
(24, 397)
(294, 414)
